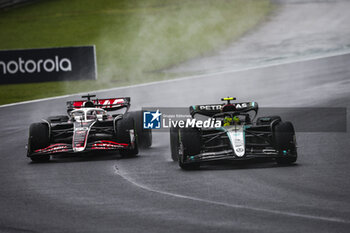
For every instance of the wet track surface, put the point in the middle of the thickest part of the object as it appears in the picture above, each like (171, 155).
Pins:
(151, 194)
(298, 29)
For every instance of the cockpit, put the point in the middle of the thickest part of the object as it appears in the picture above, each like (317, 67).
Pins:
(88, 114)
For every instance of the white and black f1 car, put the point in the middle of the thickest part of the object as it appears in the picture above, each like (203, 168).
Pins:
(89, 127)
(239, 137)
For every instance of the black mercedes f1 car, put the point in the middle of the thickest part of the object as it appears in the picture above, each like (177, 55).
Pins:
(88, 126)
(238, 138)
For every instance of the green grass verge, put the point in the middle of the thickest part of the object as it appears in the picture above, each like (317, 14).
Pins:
(133, 38)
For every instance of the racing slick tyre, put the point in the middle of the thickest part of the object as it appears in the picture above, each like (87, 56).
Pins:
(174, 143)
(285, 142)
(39, 138)
(266, 120)
(124, 126)
(191, 142)
(144, 135)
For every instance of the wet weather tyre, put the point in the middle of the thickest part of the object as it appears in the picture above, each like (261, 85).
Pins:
(39, 138)
(284, 140)
(124, 126)
(191, 142)
(174, 143)
(144, 135)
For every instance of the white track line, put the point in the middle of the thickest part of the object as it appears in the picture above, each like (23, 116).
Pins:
(186, 78)
(278, 212)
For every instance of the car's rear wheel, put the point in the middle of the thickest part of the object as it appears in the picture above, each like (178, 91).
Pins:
(39, 138)
(285, 143)
(144, 135)
(174, 143)
(124, 127)
(191, 143)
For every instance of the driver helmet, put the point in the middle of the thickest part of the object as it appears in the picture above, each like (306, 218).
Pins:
(91, 115)
(231, 120)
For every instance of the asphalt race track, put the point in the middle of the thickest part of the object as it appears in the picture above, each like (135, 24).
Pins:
(298, 29)
(151, 193)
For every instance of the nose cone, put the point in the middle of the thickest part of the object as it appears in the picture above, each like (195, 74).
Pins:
(78, 149)
(236, 136)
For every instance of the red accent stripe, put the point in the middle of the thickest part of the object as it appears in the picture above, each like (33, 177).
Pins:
(116, 143)
(53, 148)
(54, 145)
(103, 103)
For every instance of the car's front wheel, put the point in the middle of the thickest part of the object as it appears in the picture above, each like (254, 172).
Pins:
(39, 138)
(191, 145)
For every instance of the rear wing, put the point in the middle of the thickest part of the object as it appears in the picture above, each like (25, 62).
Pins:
(212, 109)
(109, 104)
